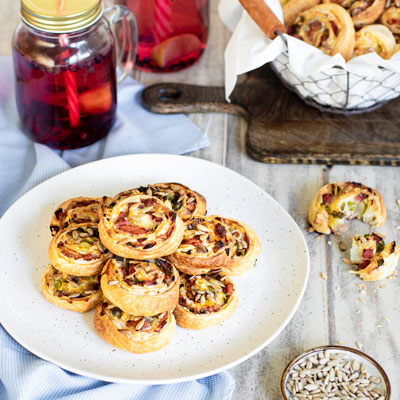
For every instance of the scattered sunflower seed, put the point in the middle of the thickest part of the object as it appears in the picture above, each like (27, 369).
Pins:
(342, 246)
(323, 276)
(359, 345)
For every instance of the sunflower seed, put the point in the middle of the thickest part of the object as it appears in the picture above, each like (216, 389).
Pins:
(75, 235)
(112, 283)
(90, 231)
(140, 324)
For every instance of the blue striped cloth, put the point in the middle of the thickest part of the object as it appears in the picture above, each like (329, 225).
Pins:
(24, 164)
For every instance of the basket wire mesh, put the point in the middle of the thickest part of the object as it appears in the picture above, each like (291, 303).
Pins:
(339, 91)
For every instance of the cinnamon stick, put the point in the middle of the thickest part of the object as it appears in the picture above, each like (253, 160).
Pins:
(263, 16)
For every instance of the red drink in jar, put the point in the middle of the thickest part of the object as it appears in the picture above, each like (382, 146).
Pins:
(65, 69)
(42, 90)
(172, 33)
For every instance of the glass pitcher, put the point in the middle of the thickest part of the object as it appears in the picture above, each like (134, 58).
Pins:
(65, 58)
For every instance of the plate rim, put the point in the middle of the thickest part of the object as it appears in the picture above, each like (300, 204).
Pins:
(164, 381)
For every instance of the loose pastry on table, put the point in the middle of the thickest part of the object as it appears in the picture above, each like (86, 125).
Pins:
(77, 250)
(205, 300)
(375, 38)
(140, 227)
(362, 12)
(207, 244)
(336, 202)
(391, 17)
(328, 27)
(74, 211)
(372, 258)
(246, 246)
(76, 293)
(141, 287)
(136, 334)
(292, 8)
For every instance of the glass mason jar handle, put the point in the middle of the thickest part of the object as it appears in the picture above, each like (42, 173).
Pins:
(126, 38)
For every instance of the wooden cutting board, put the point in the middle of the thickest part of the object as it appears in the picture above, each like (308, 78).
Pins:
(283, 129)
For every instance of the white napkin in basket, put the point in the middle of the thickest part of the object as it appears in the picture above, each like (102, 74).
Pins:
(249, 49)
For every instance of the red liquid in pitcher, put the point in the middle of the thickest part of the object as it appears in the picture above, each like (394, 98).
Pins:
(67, 105)
(172, 33)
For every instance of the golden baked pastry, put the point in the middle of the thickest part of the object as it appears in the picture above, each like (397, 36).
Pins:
(78, 210)
(374, 260)
(136, 334)
(292, 8)
(246, 246)
(362, 12)
(207, 245)
(375, 38)
(337, 202)
(328, 27)
(141, 287)
(391, 17)
(140, 227)
(77, 250)
(183, 200)
(205, 300)
(74, 293)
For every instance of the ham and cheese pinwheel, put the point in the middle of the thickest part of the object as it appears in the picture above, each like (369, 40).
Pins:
(183, 200)
(327, 27)
(205, 300)
(292, 8)
(337, 202)
(76, 293)
(207, 244)
(373, 259)
(78, 210)
(136, 334)
(375, 38)
(140, 227)
(246, 246)
(362, 12)
(141, 287)
(77, 250)
(391, 17)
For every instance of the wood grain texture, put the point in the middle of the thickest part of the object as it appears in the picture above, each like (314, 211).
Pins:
(326, 314)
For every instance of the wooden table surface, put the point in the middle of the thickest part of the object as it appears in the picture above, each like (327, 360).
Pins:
(332, 310)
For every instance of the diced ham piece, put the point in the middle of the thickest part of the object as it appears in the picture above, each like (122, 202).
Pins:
(364, 264)
(360, 197)
(367, 253)
(327, 198)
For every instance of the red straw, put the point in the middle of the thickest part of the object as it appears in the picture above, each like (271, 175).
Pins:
(162, 19)
(70, 79)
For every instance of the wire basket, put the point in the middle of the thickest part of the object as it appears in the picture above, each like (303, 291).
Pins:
(337, 90)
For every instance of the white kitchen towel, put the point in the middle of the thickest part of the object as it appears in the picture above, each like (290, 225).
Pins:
(24, 164)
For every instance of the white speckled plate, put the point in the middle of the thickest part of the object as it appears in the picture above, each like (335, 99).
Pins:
(268, 295)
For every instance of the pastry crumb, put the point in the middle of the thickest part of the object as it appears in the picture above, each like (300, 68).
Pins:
(323, 276)
(340, 342)
(361, 286)
(311, 229)
(359, 345)
(342, 246)
(346, 261)
(361, 300)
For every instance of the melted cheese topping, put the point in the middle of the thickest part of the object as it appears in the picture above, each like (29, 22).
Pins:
(203, 293)
(148, 277)
(137, 327)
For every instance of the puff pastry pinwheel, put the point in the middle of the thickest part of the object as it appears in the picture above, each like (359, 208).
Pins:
(77, 250)
(391, 17)
(136, 334)
(374, 260)
(336, 202)
(292, 8)
(328, 27)
(74, 211)
(207, 245)
(141, 287)
(140, 227)
(205, 300)
(375, 38)
(362, 12)
(76, 293)
(246, 246)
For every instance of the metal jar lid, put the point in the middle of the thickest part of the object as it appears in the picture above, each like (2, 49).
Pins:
(60, 16)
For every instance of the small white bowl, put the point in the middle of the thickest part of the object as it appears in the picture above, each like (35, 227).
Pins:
(372, 366)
